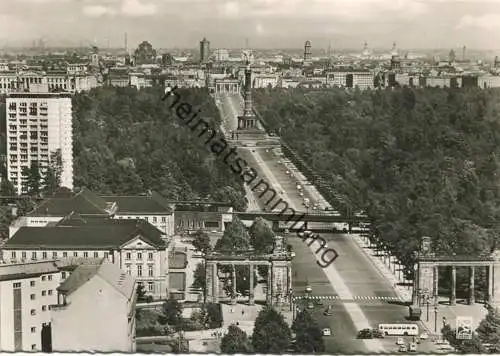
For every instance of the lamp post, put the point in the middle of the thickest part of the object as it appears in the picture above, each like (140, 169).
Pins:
(308, 291)
(427, 302)
(435, 318)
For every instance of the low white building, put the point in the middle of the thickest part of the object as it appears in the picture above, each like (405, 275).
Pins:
(95, 311)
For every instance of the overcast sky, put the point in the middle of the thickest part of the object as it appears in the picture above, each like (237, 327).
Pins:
(266, 23)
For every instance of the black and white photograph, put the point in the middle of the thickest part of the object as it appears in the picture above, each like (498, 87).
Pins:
(250, 176)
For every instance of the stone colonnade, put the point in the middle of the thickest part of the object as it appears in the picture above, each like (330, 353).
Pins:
(279, 281)
(247, 122)
(428, 279)
(222, 87)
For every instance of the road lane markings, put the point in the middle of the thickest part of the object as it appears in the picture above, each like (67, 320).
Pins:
(357, 316)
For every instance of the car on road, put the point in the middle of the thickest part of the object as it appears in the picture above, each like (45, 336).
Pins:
(412, 347)
(400, 341)
(327, 332)
(370, 334)
(424, 336)
(403, 348)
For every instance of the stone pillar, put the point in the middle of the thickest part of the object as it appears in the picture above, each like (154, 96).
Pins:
(436, 285)
(270, 286)
(495, 278)
(490, 283)
(453, 296)
(472, 298)
(212, 282)
(233, 277)
(209, 292)
(251, 295)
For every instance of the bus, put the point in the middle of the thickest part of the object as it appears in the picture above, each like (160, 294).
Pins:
(399, 329)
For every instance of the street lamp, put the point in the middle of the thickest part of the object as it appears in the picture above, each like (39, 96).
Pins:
(308, 291)
(435, 318)
(427, 301)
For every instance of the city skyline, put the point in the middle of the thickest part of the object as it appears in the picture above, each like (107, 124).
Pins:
(416, 24)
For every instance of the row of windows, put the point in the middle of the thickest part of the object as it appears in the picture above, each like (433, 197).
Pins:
(128, 256)
(151, 286)
(154, 220)
(128, 269)
(34, 255)
(44, 308)
(44, 293)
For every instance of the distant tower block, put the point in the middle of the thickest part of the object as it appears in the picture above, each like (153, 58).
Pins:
(366, 51)
(204, 50)
(307, 53)
(394, 50)
(452, 57)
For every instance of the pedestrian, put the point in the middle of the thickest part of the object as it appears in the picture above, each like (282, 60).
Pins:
(242, 311)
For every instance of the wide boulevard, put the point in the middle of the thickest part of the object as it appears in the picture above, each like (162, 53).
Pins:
(358, 275)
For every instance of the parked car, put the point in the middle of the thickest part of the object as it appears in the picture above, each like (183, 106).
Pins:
(403, 348)
(424, 336)
(364, 334)
(327, 332)
(400, 341)
(412, 347)
(370, 334)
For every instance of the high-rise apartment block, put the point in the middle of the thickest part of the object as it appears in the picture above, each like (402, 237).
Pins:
(204, 50)
(39, 127)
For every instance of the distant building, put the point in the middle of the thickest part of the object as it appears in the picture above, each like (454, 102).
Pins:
(39, 125)
(27, 292)
(307, 53)
(204, 50)
(95, 311)
(221, 55)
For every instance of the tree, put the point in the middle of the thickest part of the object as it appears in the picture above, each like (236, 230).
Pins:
(309, 337)
(127, 141)
(7, 188)
(489, 328)
(234, 239)
(33, 178)
(261, 236)
(235, 341)
(271, 333)
(473, 346)
(201, 241)
(142, 296)
(52, 179)
(199, 280)
(171, 313)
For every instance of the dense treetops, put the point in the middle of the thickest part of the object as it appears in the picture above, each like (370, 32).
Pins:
(128, 141)
(421, 162)
(309, 337)
(271, 334)
(235, 341)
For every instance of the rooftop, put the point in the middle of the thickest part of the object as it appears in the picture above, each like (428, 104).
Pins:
(63, 203)
(75, 232)
(25, 270)
(150, 204)
(110, 273)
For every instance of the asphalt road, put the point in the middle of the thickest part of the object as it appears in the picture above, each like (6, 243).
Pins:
(359, 275)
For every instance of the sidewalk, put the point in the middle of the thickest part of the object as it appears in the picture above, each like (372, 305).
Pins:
(401, 291)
